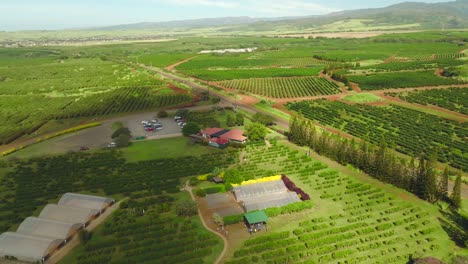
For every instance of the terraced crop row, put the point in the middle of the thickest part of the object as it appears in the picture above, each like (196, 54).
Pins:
(284, 87)
(366, 225)
(454, 99)
(411, 131)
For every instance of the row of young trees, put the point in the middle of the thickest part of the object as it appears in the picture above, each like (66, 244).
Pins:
(419, 177)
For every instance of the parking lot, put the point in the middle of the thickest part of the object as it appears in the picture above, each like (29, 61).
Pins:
(169, 127)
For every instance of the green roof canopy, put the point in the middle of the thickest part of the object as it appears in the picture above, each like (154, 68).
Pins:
(256, 217)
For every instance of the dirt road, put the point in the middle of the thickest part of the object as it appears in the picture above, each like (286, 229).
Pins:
(225, 241)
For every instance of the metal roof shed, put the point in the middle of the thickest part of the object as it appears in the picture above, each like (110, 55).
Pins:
(26, 248)
(68, 214)
(85, 201)
(256, 217)
(48, 228)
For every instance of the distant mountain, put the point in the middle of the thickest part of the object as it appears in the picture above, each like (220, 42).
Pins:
(415, 15)
(193, 23)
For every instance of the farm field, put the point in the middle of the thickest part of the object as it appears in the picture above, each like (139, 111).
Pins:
(400, 80)
(284, 87)
(351, 220)
(411, 131)
(355, 218)
(454, 99)
(32, 95)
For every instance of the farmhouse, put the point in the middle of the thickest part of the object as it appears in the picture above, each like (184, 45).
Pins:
(232, 135)
(37, 238)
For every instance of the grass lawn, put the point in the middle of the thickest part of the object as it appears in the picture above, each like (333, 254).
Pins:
(273, 111)
(165, 148)
(363, 98)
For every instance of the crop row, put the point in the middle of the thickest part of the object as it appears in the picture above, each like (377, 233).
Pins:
(401, 80)
(412, 131)
(284, 87)
(454, 99)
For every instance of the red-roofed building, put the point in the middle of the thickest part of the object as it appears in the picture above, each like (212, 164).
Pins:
(210, 131)
(218, 142)
(234, 135)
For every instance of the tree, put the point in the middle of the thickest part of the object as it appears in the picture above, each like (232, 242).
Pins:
(162, 114)
(121, 131)
(186, 208)
(455, 198)
(122, 141)
(443, 183)
(183, 113)
(263, 119)
(430, 184)
(230, 121)
(233, 176)
(256, 131)
(239, 119)
(190, 128)
(218, 219)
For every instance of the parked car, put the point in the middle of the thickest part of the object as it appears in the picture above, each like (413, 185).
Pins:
(112, 145)
(84, 148)
(144, 122)
(149, 129)
(177, 117)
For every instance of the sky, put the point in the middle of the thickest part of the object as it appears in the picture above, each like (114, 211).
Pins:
(64, 14)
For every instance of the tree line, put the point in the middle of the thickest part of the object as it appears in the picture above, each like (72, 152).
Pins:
(418, 176)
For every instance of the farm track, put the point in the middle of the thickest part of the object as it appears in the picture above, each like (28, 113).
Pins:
(202, 219)
(173, 66)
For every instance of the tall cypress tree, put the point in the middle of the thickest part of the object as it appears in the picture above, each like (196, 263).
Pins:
(420, 178)
(443, 183)
(455, 198)
(431, 193)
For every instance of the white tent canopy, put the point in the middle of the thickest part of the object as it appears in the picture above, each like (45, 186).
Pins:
(253, 190)
(47, 228)
(85, 201)
(26, 248)
(68, 214)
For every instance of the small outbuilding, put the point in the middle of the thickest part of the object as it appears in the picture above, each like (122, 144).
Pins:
(256, 221)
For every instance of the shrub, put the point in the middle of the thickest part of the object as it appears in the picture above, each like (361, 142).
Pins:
(162, 114)
(233, 219)
(203, 177)
(215, 189)
(200, 192)
(186, 208)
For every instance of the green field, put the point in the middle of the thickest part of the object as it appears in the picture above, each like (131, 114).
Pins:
(166, 148)
(63, 88)
(454, 99)
(284, 87)
(355, 218)
(400, 80)
(409, 131)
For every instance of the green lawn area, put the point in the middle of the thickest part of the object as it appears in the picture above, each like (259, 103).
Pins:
(363, 98)
(165, 148)
(273, 111)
